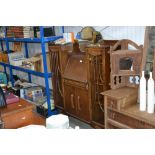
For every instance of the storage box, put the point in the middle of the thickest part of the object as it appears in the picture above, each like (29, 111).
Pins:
(33, 93)
(16, 58)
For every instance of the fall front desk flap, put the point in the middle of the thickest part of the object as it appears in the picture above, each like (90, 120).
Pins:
(76, 68)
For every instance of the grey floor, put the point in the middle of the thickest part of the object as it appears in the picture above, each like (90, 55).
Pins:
(73, 122)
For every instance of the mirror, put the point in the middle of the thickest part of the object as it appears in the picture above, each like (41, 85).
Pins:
(125, 63)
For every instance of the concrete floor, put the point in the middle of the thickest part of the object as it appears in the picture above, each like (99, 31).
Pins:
(73, 122)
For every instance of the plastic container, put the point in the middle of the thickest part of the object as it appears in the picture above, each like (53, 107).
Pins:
(59, 121)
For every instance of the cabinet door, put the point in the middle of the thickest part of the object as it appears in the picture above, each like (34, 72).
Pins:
(82, 101)
(69, 97)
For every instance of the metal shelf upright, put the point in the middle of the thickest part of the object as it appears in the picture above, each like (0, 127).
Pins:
(42, 40)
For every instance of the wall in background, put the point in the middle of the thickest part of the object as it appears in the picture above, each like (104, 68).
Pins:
(134, 33)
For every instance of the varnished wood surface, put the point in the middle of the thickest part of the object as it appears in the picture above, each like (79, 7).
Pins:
(120, 92)
(20, 114)
(18, 106)
(122, 110)
(136, 113)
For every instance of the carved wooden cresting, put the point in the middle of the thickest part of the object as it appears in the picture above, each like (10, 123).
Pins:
(125, 64)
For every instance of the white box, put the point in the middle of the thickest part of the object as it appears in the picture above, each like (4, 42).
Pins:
(16, 58)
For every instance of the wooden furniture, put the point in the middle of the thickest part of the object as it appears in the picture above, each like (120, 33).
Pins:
(59, 55)
(20, 114)
(98, 79)
(75, 83)
(125, 64)
(122, 110)
(82, 72)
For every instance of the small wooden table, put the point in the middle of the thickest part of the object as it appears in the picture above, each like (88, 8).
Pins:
(20, 114)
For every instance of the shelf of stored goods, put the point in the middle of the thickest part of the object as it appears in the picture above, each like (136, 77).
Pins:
(42, 40)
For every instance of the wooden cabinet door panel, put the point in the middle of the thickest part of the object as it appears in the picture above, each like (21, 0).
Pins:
(70, 104)
(82, 102)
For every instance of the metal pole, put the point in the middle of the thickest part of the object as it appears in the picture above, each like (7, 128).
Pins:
(45, 70)
(27, 55)
(8, 51)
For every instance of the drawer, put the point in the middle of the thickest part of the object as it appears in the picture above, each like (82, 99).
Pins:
(111, 103)
(76, 83)
(116, 125)
(111, 126)
(128, 120)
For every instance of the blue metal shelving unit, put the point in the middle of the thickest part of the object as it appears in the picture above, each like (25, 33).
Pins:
(42, 40)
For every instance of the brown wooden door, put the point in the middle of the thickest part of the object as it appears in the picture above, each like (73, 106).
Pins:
(82, 102)
(69, 98)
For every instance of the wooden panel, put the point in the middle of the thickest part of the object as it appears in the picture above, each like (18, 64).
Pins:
(83, 109)
(57, 78)
(121, 92)
(116, 125)
(18, 119)
(70, 100)
(20, 114)
(128, 120)
(111, 103)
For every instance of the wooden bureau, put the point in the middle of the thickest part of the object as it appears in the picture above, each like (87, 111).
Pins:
(20, 114)
(81, 71)
(122, 110)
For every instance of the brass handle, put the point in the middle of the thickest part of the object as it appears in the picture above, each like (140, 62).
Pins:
(72, 102)
(79, 107)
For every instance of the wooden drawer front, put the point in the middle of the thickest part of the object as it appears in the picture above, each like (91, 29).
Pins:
(18, 119)
(76, 84)
(128, 121)
(110, 126)
(111, 103)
